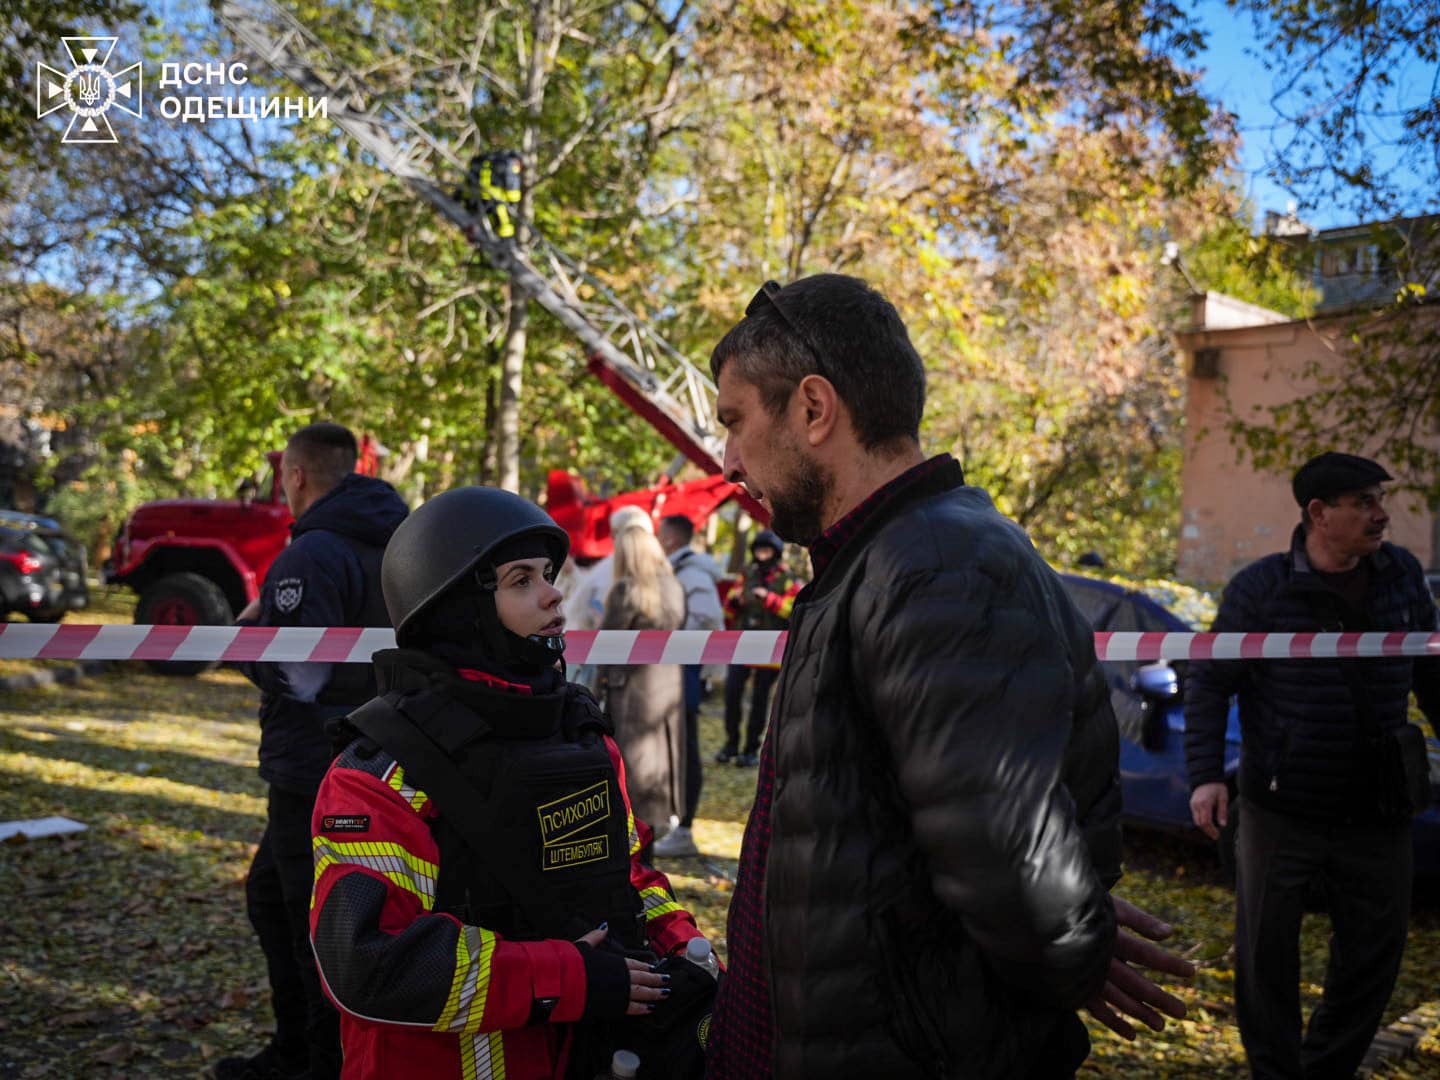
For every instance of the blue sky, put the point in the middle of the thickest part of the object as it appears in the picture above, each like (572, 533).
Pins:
(1235, 75)
(1243, 87)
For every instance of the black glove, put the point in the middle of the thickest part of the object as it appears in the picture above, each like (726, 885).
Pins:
(607, 982)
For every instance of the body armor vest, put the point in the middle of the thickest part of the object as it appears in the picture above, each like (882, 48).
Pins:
(533, 832)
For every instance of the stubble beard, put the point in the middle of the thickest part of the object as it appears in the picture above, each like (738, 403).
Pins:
(797, 507)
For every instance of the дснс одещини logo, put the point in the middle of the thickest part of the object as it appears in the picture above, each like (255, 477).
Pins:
(88, 89)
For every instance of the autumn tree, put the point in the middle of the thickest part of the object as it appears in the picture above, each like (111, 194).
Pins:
(1008, 176)
(1353, 90)
(57, 351)
(582, 92)
(31, 30)
(292, 277)
(1358, 121)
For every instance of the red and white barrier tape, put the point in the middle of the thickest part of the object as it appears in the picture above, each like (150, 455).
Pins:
(354, 645)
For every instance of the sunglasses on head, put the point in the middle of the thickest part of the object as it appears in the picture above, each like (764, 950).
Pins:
(769, 295)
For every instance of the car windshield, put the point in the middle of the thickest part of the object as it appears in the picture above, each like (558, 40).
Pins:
(24, 540)
(37, 544)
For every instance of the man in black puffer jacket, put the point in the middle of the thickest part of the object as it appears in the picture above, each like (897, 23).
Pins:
(1309, 781)
(923, 883)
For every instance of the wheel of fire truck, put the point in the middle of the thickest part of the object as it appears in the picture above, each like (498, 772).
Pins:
(183, 599)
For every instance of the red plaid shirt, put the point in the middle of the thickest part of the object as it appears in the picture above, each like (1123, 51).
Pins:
(743, 1026)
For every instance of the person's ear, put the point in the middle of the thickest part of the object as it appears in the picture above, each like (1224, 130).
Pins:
(821, 407)
(1315, 510)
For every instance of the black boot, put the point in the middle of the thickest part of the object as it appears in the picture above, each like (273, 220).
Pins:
(268, 1064)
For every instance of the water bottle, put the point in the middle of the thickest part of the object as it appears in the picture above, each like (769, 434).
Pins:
(699, 952)
(624, 1065)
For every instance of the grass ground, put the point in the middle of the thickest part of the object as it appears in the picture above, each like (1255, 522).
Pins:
(124, 950)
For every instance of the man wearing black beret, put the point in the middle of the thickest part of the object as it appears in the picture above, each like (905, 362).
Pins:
(1320, 806)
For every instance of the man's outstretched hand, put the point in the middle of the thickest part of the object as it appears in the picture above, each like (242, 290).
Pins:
(1128, 993)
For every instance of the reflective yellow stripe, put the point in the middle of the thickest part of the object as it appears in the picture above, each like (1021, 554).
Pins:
(634, 833)
(481, 988)
(457, 981)
(414, 796)
(410, 872)
(470, 984)
(657, 902)
(482, 1057)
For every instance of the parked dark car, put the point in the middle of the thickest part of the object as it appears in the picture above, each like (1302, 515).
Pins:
(1148, 701)
(42, 568)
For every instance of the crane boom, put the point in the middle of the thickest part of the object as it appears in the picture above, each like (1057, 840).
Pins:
(652, 377)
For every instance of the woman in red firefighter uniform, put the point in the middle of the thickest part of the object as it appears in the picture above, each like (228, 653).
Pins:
(479, 906)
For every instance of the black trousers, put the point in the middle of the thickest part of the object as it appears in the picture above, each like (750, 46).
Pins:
(735, 678)
(1064, 1051)
(277, 899)
(1364, 875)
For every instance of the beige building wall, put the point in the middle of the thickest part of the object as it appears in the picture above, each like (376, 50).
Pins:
(1231, 514)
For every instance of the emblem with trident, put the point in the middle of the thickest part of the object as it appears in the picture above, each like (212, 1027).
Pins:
(88, 89)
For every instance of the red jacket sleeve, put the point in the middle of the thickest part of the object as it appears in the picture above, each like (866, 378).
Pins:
(384, 954)
(734, 601)
(781, 603)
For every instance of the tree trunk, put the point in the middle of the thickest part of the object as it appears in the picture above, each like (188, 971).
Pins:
(488, 458)
(512, 357)
(512, 372)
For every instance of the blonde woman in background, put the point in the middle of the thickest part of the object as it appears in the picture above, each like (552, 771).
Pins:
(647, 702)
(586, 608)
(585, 598)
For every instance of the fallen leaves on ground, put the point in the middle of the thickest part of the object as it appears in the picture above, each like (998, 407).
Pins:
(125, 950)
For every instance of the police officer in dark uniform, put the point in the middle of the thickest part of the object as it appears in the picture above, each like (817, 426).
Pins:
(480, 906)
(329, 575)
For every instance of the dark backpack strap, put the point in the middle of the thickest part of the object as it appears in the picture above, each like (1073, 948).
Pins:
(583, 712)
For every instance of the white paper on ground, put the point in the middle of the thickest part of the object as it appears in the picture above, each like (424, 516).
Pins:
(38, 827)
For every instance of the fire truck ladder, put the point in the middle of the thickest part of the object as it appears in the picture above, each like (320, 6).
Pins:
(652, 377)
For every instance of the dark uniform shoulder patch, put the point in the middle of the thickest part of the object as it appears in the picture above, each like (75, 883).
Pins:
(289, 592)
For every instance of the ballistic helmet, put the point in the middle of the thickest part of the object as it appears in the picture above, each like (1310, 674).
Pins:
(452, 536)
